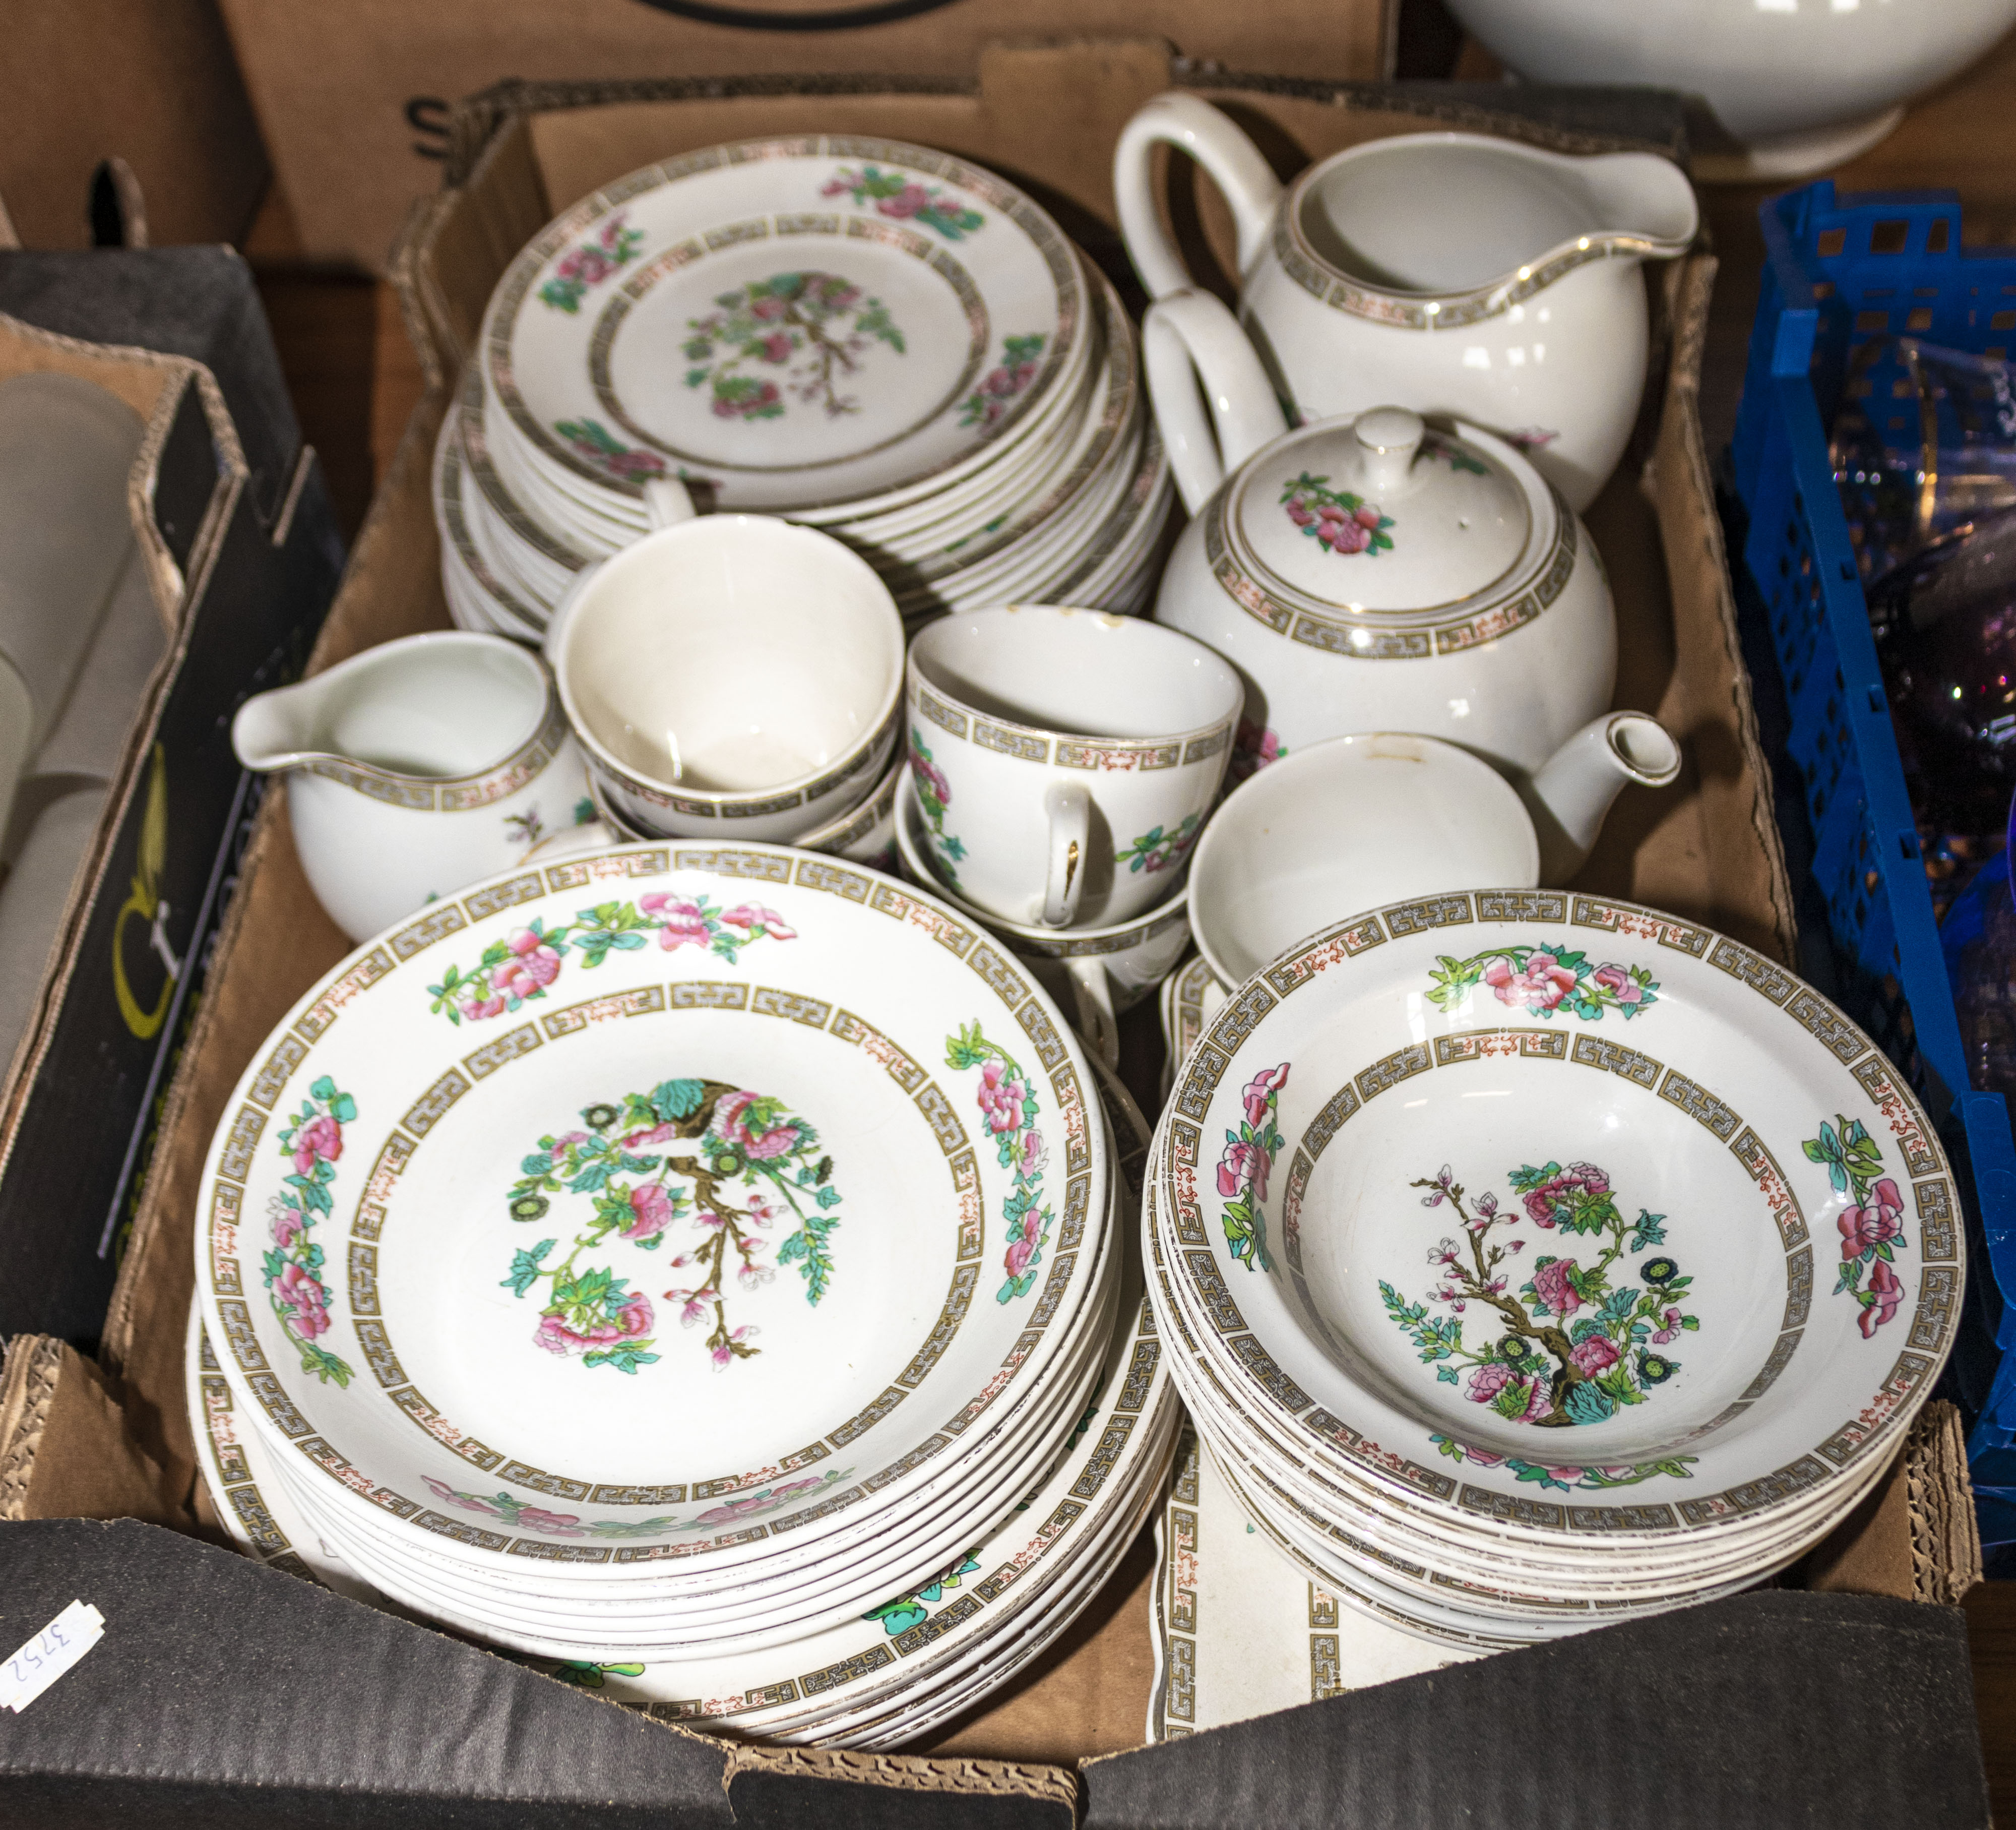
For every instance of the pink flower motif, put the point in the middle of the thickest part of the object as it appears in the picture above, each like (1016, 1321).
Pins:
(729, 1126)
(694, 1310)
(1035, 1154)
(931, 778)
(1887, 1288)
(319, 1137)
(767, 308)
(553, 1525)
(1483, 1457)
(655, 1134)
(776, 347)
(1300, 513)
(1242, 1165)
(1001, 1094)
(752, 915)
(681, 923)
(912, 200)
(653, 1207)
(1541, 982)
(536, 962)
(307, 1300)
(1447, 1252)
(1669, 1326)
(1863, 1228)
(1555, 1291)
(631, 1318)
(1515, 1246)
(1342, 536)
(1597, 1353)
(287, 1227)
(725, 1353)
(1261, 1089)
(1488, 1380)
(1023, 1242)
(495, 1005)
(1367, 516)
(763, 1211)
(568, 1137)
(1620, 985)
(752, 1276)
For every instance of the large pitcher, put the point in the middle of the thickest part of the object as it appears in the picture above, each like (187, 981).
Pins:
(1449, 273)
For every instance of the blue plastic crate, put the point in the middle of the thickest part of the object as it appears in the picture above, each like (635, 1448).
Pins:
(1839, 271)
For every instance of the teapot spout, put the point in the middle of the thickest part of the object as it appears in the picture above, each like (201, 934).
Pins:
(1572, 793)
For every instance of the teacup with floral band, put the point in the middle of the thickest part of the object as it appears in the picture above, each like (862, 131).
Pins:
(1065, 759)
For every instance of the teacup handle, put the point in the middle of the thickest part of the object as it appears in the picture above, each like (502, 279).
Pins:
(1232, 161)
(1191, 337)
(1093, 993)
(1069, 807)
(667, 503)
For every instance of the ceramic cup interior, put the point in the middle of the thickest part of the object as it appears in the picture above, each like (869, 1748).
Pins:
(730, 655)
(1347, 824)
(437, 706)
(1446, 212)
(1088, 673)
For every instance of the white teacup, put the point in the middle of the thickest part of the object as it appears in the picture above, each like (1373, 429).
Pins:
(730, 676)
(1096, 973)
(1351, 824)
(1065, 759)
(415, 768)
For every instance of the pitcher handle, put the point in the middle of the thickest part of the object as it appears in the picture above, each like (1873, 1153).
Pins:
(1189, 337)
(1233, 163)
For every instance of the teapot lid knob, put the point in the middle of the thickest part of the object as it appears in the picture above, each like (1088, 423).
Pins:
(1388, 439)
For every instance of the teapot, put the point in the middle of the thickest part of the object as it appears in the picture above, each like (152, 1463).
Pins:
(1457, 272)
(1374, 572)
(414, 768)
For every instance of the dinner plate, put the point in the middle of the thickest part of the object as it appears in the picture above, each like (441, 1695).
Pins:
(718, 1126)
(795, 320)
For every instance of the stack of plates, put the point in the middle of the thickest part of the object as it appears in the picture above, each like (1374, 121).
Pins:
(873, 338)
(1531, 1261)
(676, 1266)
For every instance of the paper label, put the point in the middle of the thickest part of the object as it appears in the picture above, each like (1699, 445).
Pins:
(40, 1661)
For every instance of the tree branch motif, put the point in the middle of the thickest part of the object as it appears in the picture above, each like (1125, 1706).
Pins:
(740, 1137)
(812, 328)
(1551, 1367)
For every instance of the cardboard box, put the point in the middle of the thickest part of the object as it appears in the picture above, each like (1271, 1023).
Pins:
(127, 125)
(353, 100)
(1845, 1708)
(242, 556)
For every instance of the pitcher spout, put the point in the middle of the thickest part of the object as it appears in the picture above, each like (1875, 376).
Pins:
(1640, 205)
(1570, 797)
(277, 730)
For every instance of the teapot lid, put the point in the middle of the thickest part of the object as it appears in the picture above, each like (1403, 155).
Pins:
(1383, 513)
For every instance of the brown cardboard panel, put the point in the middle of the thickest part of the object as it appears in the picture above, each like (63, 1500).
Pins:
(332, 85)
(1087, 1695)
(67, 1452)
(152, 82)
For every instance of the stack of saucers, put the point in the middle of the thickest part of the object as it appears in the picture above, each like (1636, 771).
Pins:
(877, 339)
(679, 1266)
(1531, 1261)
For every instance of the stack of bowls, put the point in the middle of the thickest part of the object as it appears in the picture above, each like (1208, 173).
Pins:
(876, 1192)
(875, 339)
(1532, 1260)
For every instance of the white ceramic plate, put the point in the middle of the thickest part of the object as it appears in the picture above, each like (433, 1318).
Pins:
(796, 321)
(410, 1376)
